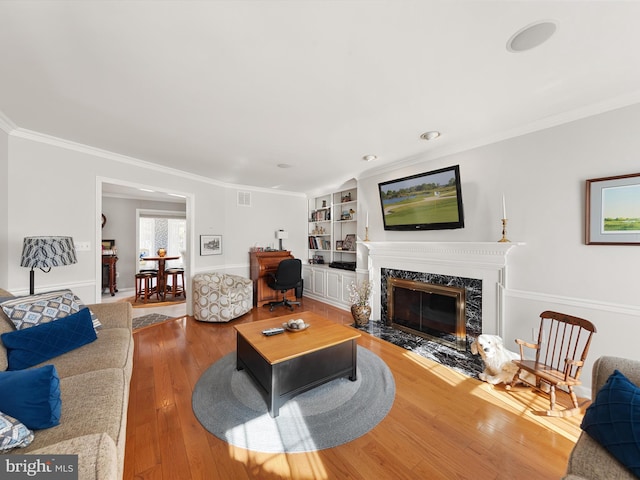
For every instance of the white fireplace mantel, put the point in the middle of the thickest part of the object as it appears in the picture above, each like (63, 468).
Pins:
(486, 261)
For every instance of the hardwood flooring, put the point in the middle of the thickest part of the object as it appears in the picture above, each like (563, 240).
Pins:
(443, 425)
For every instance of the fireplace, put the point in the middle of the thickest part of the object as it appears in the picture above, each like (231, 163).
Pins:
(435, 312)
(465, 294)
(480, 268)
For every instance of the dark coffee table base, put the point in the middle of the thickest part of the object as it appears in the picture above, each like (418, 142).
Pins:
(285, 380)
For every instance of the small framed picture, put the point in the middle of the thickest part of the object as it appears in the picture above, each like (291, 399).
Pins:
(339, 244)
(210, 245)
(613, 210)
(349, 242)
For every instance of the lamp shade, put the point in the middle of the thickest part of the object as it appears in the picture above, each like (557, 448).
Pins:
(280, 234)
(47, 252)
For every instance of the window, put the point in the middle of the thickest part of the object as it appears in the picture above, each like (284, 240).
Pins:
(162, 231)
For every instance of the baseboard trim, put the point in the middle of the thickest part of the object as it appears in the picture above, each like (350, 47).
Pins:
(326, 300)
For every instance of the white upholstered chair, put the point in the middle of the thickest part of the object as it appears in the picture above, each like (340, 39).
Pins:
(221, 297)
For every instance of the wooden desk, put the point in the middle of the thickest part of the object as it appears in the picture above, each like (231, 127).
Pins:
(109, 273)
(162, 279)
(290, 363)
(261, 264)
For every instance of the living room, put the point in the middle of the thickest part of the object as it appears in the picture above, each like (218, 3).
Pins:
(53, 186)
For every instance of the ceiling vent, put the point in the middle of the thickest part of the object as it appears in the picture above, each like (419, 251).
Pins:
(244, 199)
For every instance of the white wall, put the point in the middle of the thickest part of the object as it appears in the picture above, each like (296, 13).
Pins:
(53, 190)
(4, 198)
(543, 178)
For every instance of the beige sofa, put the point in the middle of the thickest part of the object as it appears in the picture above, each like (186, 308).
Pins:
(221, 297)
(589, 460)
(94, 386)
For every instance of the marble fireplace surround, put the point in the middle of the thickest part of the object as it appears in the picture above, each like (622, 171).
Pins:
(484, 261)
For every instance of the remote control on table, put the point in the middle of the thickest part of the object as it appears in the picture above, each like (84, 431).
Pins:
(273, 331)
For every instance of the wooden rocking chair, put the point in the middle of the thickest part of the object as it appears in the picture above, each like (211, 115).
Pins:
(563, 344)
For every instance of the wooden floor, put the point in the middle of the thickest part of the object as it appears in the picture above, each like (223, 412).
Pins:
(443, 425)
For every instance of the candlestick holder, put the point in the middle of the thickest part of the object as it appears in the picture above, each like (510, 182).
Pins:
(366, 234)
(504, 238)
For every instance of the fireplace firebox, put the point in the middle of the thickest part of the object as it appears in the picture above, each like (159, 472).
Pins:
(435, 312)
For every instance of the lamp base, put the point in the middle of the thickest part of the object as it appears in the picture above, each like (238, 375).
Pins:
(31, 281)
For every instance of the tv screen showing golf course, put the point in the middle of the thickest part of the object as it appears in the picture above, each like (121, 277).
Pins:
(427, 201)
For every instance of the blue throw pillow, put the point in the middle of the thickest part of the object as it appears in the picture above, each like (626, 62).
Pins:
(32, 396)
(31, 346)
(613, 420)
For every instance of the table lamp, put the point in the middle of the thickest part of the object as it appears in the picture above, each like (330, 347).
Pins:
(280, 234)
(46, 252)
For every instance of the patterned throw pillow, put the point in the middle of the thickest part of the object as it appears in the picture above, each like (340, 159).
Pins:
(13, 434)
(34, 310)
(94, 318)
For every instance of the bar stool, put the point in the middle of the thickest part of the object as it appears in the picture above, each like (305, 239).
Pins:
(145, 287)
(173, 288)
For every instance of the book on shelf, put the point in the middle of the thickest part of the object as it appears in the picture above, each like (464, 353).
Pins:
(318, 243)
(320, 215)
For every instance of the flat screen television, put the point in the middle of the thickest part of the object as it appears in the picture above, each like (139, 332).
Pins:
(426, 201)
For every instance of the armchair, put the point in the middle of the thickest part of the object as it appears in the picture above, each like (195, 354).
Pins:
(221, 297)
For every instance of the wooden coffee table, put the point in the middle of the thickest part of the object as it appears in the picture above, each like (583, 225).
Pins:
(290, 363)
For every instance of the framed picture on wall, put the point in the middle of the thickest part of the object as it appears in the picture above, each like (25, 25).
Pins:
(613, 210)
(210, 244)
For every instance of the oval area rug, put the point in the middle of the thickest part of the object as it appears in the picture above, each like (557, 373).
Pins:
(230, 406)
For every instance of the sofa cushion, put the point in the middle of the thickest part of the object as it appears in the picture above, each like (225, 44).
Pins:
(613, 420)
(31, 346)
(112, 349)
(35, 397)
(13, 433)
(32, 310)
(93, 402)
(97, 455)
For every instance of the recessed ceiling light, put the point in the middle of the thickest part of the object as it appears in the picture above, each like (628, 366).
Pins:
(430, 135)
(532, 36)
(284, 165)
(369, 158)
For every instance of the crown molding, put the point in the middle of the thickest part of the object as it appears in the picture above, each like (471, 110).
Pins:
(98, 152)
(456, 147)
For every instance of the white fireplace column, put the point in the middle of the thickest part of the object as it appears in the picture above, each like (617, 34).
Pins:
(486, 261)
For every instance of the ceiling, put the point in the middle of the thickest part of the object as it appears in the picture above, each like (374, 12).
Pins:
(229, 90)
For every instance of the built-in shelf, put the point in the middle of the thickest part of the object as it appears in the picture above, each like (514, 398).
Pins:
(333, 222)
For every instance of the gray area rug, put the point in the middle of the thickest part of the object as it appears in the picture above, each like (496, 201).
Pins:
(230, 406)
(150, 319)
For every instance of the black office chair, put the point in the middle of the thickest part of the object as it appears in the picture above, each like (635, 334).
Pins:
(287, 276)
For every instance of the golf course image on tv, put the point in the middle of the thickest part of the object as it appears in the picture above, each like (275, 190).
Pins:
(427, 201)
